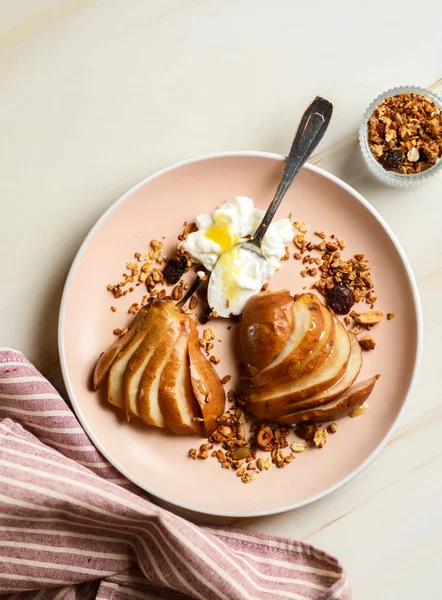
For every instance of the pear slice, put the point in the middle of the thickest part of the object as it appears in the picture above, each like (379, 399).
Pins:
(206, 383)
(275, 397)
(266, 323)
(164, 312)
(348, 378)
(116, 372)
(148, 408)
(340, 407)
(176, 398)
(108, 356)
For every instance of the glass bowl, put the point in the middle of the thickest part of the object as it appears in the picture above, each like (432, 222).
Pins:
(390, 177)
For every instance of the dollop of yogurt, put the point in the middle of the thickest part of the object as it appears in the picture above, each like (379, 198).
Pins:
(240, 273)
(230, 224)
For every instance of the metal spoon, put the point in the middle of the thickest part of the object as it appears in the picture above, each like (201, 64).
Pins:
(311, 129)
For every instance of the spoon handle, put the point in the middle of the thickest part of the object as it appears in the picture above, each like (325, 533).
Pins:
(311, 129)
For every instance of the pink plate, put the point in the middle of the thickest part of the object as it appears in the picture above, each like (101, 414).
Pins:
(157, 207)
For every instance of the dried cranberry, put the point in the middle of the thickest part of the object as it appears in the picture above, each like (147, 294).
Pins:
(205, 315)
(393, 160)
(340, 299)
(174, 269)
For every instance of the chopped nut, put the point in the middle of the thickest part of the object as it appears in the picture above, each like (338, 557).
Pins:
(205, 447)
(367, 342)
(117, 331)
(220, 456)
(370, 318)
(133, 309)
(299, 241)
(132, 266)
(333, 428)
(162, 294)
(113, 308)
(265, 287)
(193, 302)
(260, 463)
(297, 447)
(214, 359)
(117, 291)
(331, 246)
(320, 438)
(301, 226)
(193, 453)
(110, 287)
(157, 275)
(208, 334)
(320, 234)
(178, 292)
(390, 316)
(289, 458)
(155, 245)
(203, 455)
(226, 379)
(307, 431)
(124, 331)
(249, 476)
(240, 472)
(357, 329)
(268, 463)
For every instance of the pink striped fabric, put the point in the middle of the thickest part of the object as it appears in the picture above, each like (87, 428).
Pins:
(72, 528)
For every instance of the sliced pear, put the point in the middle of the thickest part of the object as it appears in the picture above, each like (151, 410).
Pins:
(302, 353)
(148, 408)
(206, 384)
(348, 378)
(116, 373)
(163, 314)
(275, 397)
(108, 356)
(266, 323)
(176, 398)
(336, 409)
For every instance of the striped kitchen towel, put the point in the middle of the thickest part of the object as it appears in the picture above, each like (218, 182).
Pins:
(72, 528)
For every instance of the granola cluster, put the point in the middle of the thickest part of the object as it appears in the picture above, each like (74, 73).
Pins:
(156, 272)
(249, 448)
(335, 274)
(405, 133)
(322, 260)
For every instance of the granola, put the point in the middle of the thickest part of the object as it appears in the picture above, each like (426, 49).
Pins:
(405, 133)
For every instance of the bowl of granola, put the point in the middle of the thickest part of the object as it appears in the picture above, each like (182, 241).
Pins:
(401, 136)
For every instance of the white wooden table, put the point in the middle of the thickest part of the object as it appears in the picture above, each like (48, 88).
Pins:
(96, 94)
